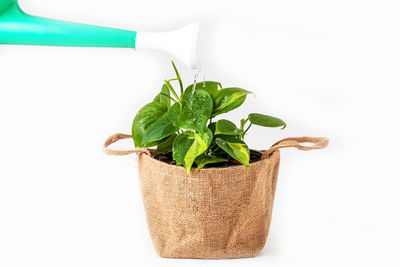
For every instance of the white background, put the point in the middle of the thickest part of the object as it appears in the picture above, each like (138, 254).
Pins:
(328, 68)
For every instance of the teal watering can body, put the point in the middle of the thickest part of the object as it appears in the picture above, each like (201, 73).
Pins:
(19, 28)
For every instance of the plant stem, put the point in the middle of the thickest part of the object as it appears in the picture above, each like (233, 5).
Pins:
(171, 89)
(212, 147)
(173, 99)
(181, 85)
(178, 77)
(247, 129)
(243, 123)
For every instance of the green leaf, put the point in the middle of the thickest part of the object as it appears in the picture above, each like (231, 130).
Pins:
(189, 145)
(227, 127)
(208, 86)
(162, 97)
(158, 130)
(266, 121)
(235, 104)
(235, 147)
(174, 112)
(196, 110)
(166, 146)
(207, 158)
(228, 99)
(146, 116)
(242, 123)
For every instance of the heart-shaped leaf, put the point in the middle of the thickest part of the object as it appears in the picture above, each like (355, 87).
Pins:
(163, 97)
(228, 99)
(227, 127)
(207, 158)
(174, 112)
(235, 147)
(266, 121)
(146, 117)
(196, 110)
(189, 145)
(208, 86)
(166, 146)
(158, 130)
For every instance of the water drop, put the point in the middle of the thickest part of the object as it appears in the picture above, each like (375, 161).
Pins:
(196, 75)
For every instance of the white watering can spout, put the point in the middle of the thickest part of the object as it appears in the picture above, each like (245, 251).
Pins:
(180, 43)
(19, 28)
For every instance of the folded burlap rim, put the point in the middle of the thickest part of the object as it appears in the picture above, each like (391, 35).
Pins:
(297, 142)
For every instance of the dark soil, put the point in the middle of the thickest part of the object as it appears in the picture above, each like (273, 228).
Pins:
(254, 157)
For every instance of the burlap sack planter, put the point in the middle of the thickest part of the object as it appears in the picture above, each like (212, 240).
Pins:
(211, 213)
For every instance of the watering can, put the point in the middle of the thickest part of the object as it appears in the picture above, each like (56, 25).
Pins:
(19, 28)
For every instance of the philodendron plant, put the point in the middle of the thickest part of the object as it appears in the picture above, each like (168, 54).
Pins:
(183, 124)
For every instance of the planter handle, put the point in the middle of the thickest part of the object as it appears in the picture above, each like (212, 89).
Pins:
(318, 143)
(119, 136)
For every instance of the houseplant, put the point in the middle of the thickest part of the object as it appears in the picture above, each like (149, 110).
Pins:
(222, 209)
(185, 128)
